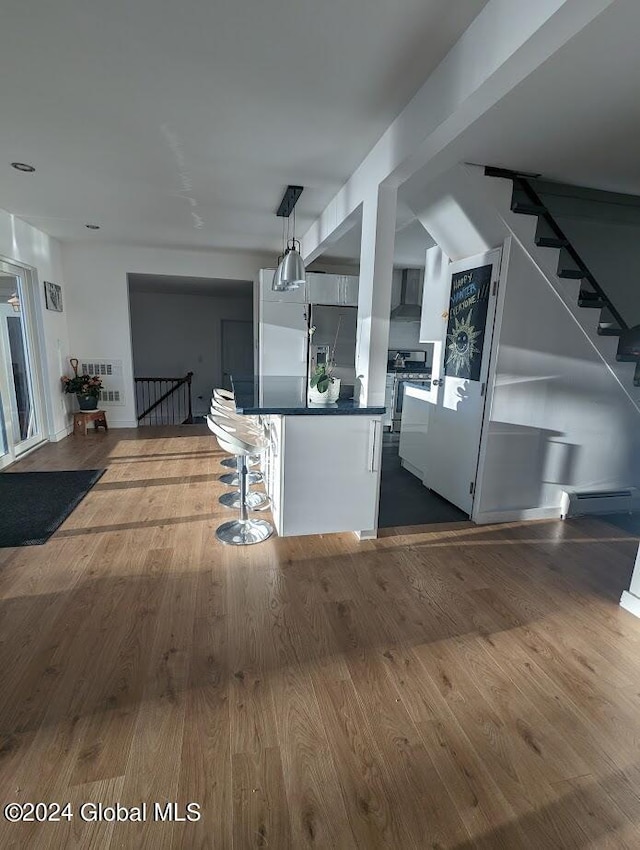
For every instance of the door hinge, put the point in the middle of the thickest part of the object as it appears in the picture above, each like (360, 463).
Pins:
(494, 291)
(483, 388)
(472, 487)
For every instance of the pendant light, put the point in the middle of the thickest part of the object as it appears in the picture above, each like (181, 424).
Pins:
(15, 302)
(290, 273)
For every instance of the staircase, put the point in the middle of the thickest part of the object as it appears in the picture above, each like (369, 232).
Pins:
(526, 200)
(164, 401)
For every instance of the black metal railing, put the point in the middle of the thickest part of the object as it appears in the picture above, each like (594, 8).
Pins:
(164, 401)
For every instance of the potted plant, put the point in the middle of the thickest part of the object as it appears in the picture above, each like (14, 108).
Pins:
(324, 388)
(86, 388)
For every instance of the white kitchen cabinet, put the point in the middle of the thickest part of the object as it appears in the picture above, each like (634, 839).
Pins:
(338, 289)
(350, 285)
(324, 473)
(282, 338)
(387, 419)
(266, 293)
(413, 431)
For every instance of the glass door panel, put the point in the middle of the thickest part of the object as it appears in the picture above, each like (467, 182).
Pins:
(20, 420)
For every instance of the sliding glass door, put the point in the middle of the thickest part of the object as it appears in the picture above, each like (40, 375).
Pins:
(21, 425)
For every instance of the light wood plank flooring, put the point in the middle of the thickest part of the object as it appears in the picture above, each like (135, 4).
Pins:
(453, 687)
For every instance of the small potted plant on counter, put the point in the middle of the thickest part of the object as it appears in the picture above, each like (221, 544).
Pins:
(324, 387)
(86, 388)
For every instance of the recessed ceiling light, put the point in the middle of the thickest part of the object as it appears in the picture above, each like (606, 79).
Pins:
(22, 166)
(92, 226)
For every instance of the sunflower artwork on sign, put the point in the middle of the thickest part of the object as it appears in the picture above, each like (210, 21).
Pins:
(461, 345)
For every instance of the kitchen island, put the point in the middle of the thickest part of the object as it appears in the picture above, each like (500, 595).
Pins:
(322, 469)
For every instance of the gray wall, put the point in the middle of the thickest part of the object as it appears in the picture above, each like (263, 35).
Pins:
(604, 228)
(174, 334)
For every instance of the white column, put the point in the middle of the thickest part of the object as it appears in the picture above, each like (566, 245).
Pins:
(374, 293)
(630, 599)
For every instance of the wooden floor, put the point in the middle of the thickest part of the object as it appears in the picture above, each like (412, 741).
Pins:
(458, 687)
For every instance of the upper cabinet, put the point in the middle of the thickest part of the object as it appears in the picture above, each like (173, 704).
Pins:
(350, 290)
(339, 289)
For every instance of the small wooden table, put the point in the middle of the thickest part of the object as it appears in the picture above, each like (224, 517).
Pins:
(81, 419)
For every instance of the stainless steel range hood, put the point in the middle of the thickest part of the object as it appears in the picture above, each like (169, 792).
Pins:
(410, 307)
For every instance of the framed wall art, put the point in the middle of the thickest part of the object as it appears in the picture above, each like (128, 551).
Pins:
(53, 296)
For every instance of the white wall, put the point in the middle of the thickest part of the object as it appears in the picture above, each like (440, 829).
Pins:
(23, 244)
(558, 420)
(612, 253)
(97, 292)
(174, 334)
(562, 415)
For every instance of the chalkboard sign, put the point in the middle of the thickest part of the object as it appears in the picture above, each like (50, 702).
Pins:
(468, 306)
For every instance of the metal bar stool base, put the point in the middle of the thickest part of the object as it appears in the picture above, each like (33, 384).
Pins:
(255, 501)
(244, 532)
(230, 462)
(233, 479)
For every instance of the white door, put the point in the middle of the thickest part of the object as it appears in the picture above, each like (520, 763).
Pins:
(459, 376)
(21, 416)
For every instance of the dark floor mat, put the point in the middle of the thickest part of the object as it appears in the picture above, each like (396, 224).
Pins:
(35, 504)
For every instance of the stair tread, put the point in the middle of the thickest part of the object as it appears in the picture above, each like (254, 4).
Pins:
(571, 274)
(550, 242)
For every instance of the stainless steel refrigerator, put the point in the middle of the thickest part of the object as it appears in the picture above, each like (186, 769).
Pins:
(334, 326)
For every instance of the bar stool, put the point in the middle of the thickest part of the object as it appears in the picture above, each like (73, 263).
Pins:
(224, 401)
(256, 501)
(242, 531)
(224, 410)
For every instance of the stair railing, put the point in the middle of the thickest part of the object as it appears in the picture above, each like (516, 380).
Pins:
(164, 401)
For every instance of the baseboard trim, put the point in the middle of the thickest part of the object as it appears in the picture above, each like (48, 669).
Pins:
(369, 534)
(61, 434)
(419, 474)
(121, 423)
(630, 603)
(487, 517)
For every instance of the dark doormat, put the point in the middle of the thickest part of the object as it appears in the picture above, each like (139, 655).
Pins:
(34, 504)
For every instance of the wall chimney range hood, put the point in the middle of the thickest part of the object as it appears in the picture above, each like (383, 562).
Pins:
(410, 307)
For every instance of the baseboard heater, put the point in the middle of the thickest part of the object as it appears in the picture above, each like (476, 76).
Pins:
(581, 503)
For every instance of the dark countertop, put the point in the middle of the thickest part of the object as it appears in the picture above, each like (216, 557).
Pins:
(287, 395)
(402, 369)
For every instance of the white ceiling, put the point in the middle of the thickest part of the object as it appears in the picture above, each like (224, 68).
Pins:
(180, 124)
(576, 119)
(182, 285)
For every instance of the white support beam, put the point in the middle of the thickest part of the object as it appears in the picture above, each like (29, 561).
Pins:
(630, 599)
(374, 292)
(506, 42)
